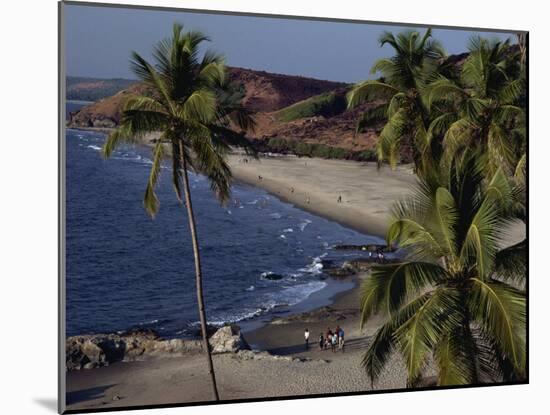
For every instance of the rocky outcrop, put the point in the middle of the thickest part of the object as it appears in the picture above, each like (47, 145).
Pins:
(367, 248)
(228, 339)
(98, 350)
(356, 266)
(322, 314)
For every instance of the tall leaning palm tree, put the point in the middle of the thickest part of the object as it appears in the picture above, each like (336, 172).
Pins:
(193, 107)
(404, 111)
(484, 107)
(457, 299)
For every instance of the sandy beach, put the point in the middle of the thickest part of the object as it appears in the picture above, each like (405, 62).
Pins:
(289, 369)
(315, 185)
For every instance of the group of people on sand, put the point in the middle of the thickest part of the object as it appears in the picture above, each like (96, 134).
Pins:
(378, 255)
(333, 339)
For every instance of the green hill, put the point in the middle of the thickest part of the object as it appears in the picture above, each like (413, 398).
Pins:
(327, 104)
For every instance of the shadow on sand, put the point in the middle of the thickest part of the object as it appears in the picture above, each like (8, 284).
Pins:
(353, 344)
(87, 394)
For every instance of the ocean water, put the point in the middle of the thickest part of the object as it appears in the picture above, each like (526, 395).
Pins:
(126, 270)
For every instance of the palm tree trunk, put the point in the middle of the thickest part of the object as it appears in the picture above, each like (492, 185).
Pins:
(198, 277)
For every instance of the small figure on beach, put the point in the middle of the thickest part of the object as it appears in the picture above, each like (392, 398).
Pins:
(341, 338)
(307, 200)
(292, 190)
(321, 341)
(340, 199)
(306, 337)
(260, 177)
(334, 342)
(328, 338)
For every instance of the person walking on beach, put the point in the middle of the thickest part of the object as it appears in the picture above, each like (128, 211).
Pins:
(334, 342)
(306, 337)
(340, 199)
(321, 341)
(341, 339)
(328, 338)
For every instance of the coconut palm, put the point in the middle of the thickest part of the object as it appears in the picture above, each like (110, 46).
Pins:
(404, 111)
(456, 300)
(191, 104)
(484, 107)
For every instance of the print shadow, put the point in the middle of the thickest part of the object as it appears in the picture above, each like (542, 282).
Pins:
(47, 403)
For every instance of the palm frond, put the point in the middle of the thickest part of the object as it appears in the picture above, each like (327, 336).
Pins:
(511, 263)
(455, 355)
(390, 137)
(369, 91)
(388, 286)
(419, 335)
(501, 312)
(150, 200)
(383, 343)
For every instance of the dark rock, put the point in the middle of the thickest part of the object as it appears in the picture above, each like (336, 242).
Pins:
(272, 276)
(367, 248)
(322, 314)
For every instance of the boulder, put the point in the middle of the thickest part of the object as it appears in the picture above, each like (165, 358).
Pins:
(104, 123)
(228, 339)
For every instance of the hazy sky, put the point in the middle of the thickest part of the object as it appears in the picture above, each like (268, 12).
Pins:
(99, 42)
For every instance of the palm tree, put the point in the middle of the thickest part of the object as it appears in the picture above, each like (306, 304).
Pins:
(484, 107)
(456, 300)
(404, 76)
(190, 102)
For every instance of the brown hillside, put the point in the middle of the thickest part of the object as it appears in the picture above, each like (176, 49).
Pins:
(269, 92)
(106, 112)
(264, 92)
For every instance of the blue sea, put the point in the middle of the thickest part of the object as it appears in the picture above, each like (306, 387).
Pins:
(126, 270)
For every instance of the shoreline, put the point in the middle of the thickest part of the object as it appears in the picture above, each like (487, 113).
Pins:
(313, 190)
(368, 192)
(281, 354)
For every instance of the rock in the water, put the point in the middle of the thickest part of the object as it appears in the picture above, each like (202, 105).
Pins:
(228, 339)
(272, 276)
(367, 248)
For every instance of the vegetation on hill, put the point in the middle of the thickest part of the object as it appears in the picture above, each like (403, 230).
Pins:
(94, 89)
(326, 105)
(304, 149)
